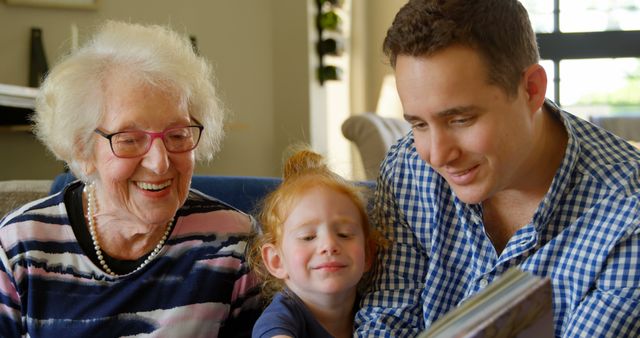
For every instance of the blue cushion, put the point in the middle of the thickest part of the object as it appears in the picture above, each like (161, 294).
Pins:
(242, 192)
(60, 182)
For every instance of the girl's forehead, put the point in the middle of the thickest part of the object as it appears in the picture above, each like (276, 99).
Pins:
(310, 203)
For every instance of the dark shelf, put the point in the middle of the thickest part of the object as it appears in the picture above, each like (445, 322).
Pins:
(16, 106)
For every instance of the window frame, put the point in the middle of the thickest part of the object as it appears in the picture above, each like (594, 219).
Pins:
(557, 46)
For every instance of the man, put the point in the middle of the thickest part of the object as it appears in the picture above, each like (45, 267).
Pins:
(494, 176)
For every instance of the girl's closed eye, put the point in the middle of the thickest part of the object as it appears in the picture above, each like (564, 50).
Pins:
(348, 230)
(345, 234)
(306, 237)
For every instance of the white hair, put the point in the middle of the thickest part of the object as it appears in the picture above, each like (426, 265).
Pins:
(71, 99)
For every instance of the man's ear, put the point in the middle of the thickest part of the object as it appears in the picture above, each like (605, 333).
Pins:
(272, 259)
(535, 82)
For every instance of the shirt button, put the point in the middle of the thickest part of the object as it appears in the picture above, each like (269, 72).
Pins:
(483, 282)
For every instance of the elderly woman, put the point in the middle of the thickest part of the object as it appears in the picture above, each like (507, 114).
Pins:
(129, 249)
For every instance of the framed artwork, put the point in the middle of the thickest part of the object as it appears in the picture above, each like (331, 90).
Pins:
(75, 4)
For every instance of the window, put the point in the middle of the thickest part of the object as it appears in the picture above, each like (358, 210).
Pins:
(591, 52)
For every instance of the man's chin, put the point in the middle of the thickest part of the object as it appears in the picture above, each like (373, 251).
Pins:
(469, 195)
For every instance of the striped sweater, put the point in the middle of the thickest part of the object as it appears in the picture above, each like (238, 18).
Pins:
(197, 286)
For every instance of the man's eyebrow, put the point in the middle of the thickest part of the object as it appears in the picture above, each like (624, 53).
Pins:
(445, 113)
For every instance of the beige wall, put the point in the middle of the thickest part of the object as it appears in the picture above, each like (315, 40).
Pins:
(379, 15)
(259, 52)
(291, 83)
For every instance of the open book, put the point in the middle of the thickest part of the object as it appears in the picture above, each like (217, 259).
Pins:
(517, 304)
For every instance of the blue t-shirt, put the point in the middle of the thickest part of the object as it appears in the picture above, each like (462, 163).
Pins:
(287, 315)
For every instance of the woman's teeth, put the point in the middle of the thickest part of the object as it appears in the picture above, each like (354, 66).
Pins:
(153, 187)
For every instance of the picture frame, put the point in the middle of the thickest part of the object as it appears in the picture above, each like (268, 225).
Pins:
(71, 4)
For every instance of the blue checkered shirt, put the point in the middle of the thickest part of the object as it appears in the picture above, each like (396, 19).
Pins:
(584, 235)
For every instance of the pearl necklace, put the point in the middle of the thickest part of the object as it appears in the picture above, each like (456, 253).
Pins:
(88, 190)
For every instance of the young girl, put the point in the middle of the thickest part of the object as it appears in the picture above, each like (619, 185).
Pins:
(315, 247)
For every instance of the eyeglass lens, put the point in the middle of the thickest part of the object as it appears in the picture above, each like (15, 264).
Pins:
(137, 143)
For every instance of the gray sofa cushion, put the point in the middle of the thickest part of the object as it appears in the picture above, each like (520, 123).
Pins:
(15, 193)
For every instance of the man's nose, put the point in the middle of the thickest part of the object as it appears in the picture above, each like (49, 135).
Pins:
(441, 148)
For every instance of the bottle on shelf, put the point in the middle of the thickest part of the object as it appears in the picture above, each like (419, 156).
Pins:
(38, 66)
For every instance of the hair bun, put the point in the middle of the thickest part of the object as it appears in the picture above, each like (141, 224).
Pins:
(304, 161)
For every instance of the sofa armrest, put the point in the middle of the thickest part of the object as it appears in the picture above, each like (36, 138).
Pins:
(373, 135)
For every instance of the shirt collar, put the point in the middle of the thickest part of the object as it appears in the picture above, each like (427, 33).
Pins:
(562, 178)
